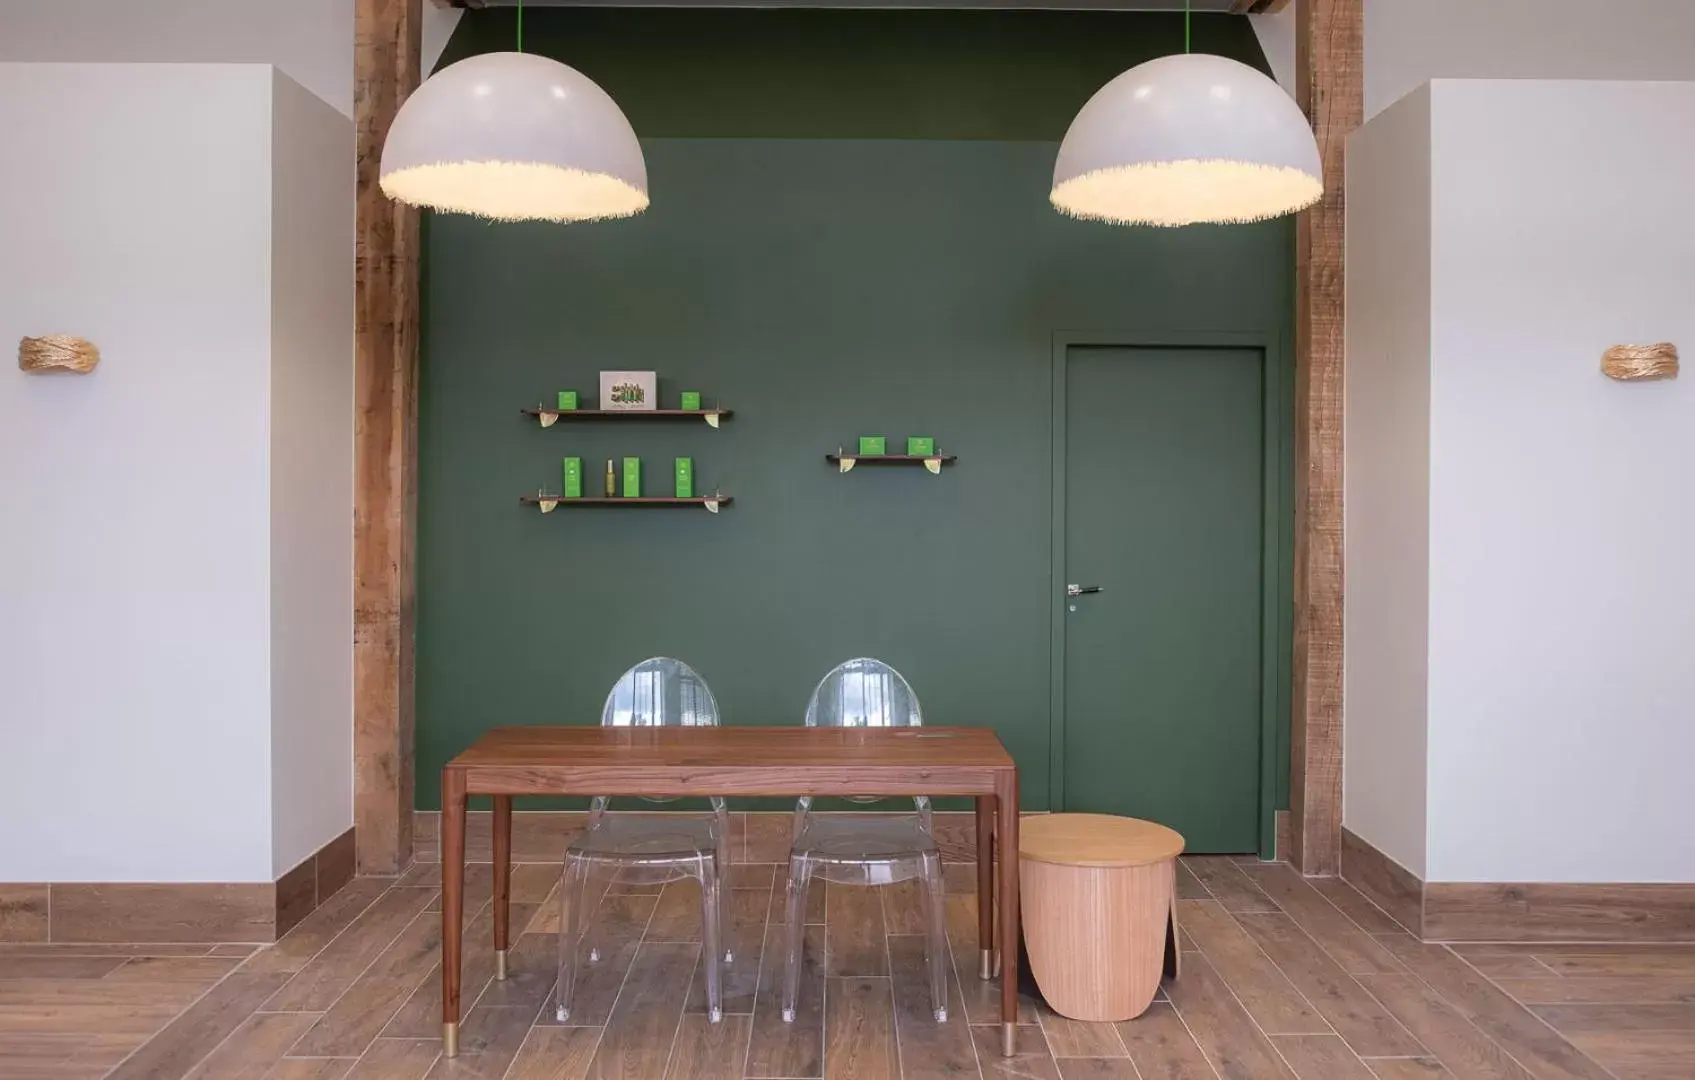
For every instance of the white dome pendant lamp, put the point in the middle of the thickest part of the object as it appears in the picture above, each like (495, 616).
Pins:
(1187, 139)
(514, 137)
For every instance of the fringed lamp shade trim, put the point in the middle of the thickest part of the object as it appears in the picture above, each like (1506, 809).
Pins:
(57, 352)
(515, 191)
(1173, 193)
(1629, 363)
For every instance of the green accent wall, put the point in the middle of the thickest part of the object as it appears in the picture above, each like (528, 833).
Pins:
(849, 235)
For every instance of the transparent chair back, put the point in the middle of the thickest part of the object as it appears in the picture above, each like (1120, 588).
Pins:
(866, 849)
(617, 850)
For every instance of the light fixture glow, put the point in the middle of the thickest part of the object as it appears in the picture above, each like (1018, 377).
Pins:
(1187, 139)
(515, 137)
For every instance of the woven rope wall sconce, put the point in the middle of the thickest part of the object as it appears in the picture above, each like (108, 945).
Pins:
(57, 352)
(1628, 363)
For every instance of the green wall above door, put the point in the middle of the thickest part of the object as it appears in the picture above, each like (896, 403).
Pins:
(849, 235)
(850, 74)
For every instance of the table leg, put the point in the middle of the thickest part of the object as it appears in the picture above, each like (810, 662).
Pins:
(502, 882)
(452, 903)
(1173, 939)
(1006, 834)
(985, 887)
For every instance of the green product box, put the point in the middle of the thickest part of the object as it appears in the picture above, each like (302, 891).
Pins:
(632, 478)
(873, 445)
(573, 478)
(691, 400)
(685, 478)
(920, 446)
(567, 400)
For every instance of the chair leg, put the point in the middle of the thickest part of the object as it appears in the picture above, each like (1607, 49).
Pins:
(573, 920)
(936, 944)
(800, 876)
(723, 851)
(711, 918)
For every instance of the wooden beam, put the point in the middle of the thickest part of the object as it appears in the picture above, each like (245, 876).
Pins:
(1330, 87)
(387, 50)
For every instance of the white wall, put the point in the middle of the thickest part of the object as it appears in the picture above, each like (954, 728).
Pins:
(157, 505)
(1276, 35)
(1562, 592)
(1386, 472)
(307, 797)
(311, 477)
(310, 40)
(1561, 595)
(134, 555)
(1410, 42)
(439, 24)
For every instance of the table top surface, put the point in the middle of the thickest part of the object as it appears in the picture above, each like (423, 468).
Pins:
(1096, 840)
(797, 748)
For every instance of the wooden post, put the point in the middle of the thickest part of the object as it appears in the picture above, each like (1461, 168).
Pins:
(1330, 87)
(387, 49)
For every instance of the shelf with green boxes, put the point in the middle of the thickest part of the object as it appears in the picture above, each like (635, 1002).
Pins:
(548, 417)
(627, 492)
(624, 489)
(547, 504)
(933, 462)
(920, 451)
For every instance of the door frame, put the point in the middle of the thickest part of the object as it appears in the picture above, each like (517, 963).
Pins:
(1276, 548)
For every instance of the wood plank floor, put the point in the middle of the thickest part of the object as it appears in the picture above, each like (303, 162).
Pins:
(1282, 980)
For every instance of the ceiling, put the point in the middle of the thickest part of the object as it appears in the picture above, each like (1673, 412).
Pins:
(1058, 5)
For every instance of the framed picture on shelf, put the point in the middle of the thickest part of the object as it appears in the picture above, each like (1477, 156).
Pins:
(629, 391)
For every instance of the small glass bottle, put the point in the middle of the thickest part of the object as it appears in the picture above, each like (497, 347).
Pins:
(611, 480)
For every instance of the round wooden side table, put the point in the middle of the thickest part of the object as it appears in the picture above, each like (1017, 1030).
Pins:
(1100, 915)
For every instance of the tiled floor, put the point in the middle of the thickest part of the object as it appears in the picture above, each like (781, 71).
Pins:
(1282, 979)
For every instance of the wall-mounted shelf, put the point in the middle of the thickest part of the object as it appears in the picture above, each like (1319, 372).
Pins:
(932, 462)
(549, 417)
(547, 504)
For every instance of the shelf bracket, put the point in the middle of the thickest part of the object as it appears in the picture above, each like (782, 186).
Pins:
(711, 506)
(846, 464)
(934, 464)
(547, 506)
(712, 422)
(548, 419)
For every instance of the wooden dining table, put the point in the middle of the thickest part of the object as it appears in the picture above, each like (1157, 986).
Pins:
(733, 761)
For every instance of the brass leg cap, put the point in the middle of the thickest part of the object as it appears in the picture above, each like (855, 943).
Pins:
(500, 964)
(985, 964)
(450, 1040)
(1009, 1040)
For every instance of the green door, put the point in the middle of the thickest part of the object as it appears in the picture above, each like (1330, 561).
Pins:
(1163, 511)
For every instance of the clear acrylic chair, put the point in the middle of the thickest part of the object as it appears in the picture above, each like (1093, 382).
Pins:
(856, 850)
(648, 848)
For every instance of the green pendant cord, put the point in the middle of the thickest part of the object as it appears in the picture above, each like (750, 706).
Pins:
(520, 25)
(1188, 16)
